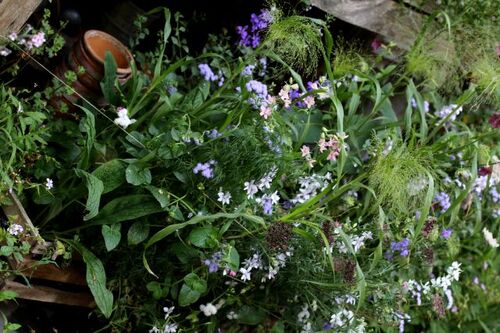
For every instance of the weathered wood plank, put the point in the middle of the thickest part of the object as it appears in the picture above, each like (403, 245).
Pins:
(426, 6)
(50, 295)
(71, 275)
(15, 13)
(388, 18)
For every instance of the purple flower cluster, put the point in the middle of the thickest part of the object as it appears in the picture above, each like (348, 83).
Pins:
(214, 262)
(260, 90)
(250, 36)
(401, 247)
(206, 169)
(443, 199)
(209, 75)
(267, 206)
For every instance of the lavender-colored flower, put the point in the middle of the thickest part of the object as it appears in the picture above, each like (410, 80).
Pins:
(248, 70)
(213, 134)
(443, 200)
(213, 263)
(38, 39)
(206, 169)
(244, 36)
(452, 109)
(4, 51)
(207, 72)
(401, 247)
(15, 229)
(267, 206)
(446, 233)
(255, 40)
(13, 36)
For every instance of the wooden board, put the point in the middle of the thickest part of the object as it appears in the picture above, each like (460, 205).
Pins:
(15, 13)
(70, 275)
(395, 21)
(50, 295)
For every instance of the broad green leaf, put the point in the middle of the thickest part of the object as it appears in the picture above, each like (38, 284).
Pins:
(192, 289)
(87, 125)
(95, 188)
(204, 237)
(161, 195)
(137, 175)
(126, 208)
(96, 280)
(232, 258)
(112, 235)
(112, 175)
(138, 232)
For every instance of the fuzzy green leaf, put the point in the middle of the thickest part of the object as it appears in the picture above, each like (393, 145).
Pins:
(112, 235)
(112, 175)
(138, 232)
(95, 188)
(137, 175)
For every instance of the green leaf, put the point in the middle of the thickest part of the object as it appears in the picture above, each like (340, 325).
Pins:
(95, 188)
(204, 237)
(192, 289)
(138, 232)
(88, 124)
(279, 327)
(112, 175)
(7, 295)
(6, 250)
(112, 235)
(232, 258)
(108, 82)
(137, 175)
(126, 208)
(96, 280)
(161, 195)
(157, 290)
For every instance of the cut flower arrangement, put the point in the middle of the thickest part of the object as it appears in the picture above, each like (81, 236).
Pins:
(248, 188)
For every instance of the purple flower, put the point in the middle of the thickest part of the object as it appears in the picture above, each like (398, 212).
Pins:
(267, 206)
(248, 70)
(244, 36)
(207, 72)
(255, 40)
(443, 200)
(401, 247)
(206, 169)
(213, 134)
(213, 263)
(446, 233)
(38, 39)
(261, 21)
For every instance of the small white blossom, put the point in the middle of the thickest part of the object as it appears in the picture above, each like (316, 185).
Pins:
(170, 328)
(208, 310)
(245, 274)
(123, 120)
(15, 229)
(232, 315)
(168, 311)
(224, 197)
(489, 238)
(251, 189)
(49, 184)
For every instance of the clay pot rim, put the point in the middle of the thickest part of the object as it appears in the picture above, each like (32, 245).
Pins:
(116, 42)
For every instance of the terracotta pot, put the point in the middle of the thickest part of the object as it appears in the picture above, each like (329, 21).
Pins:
(89, 52)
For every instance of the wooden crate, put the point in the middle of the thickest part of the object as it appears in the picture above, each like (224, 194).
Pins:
(15, 13)
(51, 283)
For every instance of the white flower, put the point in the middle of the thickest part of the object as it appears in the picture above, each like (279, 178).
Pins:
(245, 274)
(170, 328)
(314, 305)
(15, 229)
(20, 108)
(350, 299)
(154, 329)
(272, 272)
(307, 328)
(49, 184)
(251, 188)
(449, 296)
(303, 315)
(168, 311)
(208, 310)
(123, 120)
(489, 238)
(232, 315)
(454, 271)
(224, 197)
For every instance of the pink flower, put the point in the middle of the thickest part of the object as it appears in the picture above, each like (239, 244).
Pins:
(311, 162)
(305, 151)
(38, 39)
(265, 111)
(285, 97)
(332, 156)
(309, 101)
(322, 145)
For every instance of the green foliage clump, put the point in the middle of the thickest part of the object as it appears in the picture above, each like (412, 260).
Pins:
(296, 40)
(400, 177)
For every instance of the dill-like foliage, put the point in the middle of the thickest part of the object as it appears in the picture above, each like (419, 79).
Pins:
(296, 40)
(347, 58)
(399, 177)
